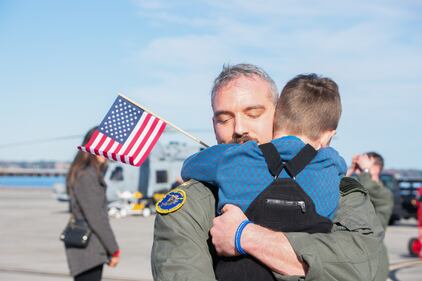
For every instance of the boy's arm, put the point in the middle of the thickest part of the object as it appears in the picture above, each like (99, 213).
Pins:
(202, 166)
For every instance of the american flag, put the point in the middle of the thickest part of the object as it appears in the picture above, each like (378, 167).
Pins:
(127, 133)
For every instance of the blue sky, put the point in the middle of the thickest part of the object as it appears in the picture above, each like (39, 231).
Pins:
(63, 62)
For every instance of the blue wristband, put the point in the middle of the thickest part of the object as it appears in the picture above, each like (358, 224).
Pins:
(238, 234)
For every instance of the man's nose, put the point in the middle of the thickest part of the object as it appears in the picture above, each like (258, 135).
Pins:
(240, 127)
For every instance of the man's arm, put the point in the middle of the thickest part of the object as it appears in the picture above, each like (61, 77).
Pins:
(180, 250)
(272, 248)
(351, 252)
(381, 198)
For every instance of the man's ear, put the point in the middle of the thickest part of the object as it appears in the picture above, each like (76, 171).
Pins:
(326, 138)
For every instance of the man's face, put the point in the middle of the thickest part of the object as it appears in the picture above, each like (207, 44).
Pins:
(243, 110)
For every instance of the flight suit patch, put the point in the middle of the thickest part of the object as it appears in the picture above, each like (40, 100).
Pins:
(171, 202)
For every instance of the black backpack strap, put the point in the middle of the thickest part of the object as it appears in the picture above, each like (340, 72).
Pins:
(299, 162)
(294, 166)
(273, 159)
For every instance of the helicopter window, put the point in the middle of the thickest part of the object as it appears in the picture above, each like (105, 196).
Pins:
(161, 176)
(117, 174)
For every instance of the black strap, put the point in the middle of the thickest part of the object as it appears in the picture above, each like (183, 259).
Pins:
(294, 166)
(299, 162)
(273, 159)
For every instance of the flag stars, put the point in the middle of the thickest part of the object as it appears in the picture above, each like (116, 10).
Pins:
(121, 120)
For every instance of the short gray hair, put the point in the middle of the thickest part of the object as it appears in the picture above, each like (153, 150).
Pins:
(232, 72)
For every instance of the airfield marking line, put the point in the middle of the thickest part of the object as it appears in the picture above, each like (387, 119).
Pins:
(28, 271)
(401, 265)
(397, 265)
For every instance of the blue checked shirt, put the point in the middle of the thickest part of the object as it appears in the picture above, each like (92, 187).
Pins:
(241, 173)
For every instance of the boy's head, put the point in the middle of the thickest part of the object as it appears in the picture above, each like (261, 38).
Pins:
(309, 106)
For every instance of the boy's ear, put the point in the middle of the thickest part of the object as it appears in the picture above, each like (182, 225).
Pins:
(326, 137)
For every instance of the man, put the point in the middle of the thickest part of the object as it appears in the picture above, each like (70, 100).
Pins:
(367, 168)
(243, 102)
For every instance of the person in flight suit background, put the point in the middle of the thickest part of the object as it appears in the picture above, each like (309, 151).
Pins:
(367, 169)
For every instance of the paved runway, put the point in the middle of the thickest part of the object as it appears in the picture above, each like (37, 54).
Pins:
(31, 221)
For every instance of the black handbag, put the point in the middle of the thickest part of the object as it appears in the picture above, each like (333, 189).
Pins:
(76, 233)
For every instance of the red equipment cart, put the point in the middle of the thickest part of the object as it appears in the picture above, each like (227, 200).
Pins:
(415, 244)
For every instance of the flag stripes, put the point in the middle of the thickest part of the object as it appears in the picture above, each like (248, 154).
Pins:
(127, 134)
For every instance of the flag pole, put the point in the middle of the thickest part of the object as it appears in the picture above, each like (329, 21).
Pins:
(171, 124)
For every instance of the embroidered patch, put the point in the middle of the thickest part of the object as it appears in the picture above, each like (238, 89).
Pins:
(171, 202)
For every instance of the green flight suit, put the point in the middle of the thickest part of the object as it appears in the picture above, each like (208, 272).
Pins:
(381, 198)
(353, 251)
(383, 201)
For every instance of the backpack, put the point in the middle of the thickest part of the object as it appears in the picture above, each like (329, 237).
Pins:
(282, 206)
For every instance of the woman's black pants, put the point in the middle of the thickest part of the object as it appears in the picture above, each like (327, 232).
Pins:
(93, 274)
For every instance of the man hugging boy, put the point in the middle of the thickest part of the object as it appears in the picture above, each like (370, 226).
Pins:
(289, 184)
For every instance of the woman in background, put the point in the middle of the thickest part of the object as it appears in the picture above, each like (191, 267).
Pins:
(87, 193)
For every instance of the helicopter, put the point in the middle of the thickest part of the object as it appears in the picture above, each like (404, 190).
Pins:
(135, 190)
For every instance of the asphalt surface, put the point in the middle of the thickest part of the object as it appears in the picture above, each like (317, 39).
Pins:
(31, 221)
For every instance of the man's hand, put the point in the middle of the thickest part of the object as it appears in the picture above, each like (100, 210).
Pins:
(365, 162)
(224, 229)
(354, 167)
(270, 247)
(113, 261)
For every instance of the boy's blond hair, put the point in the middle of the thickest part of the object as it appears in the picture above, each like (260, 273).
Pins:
(308, 105)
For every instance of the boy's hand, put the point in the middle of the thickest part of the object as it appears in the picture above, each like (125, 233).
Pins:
(224, 229)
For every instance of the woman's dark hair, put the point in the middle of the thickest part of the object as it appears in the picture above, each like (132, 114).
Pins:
(83, 160)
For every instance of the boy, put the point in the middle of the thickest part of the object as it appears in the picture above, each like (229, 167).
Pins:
(284, 185)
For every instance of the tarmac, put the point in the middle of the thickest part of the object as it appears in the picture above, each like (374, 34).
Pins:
(31, 221)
